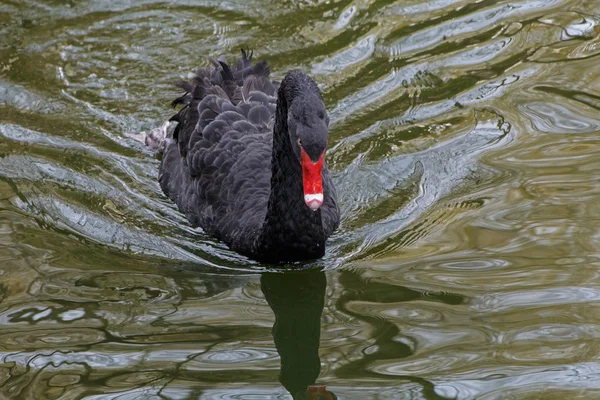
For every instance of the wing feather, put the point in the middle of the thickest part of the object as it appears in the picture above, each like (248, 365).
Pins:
(219, 158)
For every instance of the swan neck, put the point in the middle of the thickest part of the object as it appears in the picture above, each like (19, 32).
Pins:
(290, 227)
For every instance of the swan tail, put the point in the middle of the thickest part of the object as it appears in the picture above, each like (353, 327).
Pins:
(156, 139)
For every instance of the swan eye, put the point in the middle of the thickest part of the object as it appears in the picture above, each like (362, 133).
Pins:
(321, 115)
(299, 143)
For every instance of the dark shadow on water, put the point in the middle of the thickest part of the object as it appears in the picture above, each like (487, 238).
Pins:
(386, 333)
(297, 299)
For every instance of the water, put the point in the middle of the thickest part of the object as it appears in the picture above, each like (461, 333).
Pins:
(464, 142)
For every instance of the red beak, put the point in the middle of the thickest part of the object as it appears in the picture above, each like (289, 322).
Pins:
(312, 180)
(318, 392)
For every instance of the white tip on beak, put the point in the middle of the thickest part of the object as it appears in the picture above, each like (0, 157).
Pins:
(314, 201)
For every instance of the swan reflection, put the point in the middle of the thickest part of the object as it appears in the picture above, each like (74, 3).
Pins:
(297, 299)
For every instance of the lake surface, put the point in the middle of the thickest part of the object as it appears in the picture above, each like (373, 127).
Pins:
(466, 151)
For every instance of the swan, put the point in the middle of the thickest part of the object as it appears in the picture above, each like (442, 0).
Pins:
(246, 161)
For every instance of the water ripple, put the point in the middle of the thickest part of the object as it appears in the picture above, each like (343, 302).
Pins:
(464, 148)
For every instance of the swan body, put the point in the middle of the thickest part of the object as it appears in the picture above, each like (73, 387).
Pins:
(246, 161)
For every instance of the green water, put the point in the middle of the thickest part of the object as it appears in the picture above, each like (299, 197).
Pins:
(465, 148)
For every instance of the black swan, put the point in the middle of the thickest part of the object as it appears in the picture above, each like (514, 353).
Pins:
(246, 161)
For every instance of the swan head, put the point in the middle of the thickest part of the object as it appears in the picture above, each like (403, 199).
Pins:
(308, 124)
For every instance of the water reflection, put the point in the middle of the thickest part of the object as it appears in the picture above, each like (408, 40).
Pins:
(297, 300)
